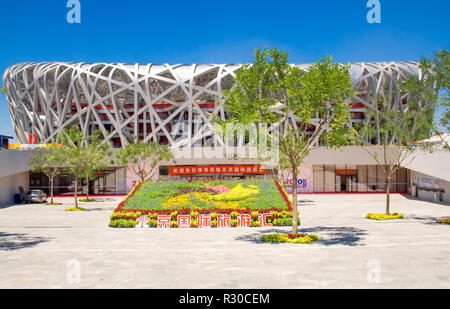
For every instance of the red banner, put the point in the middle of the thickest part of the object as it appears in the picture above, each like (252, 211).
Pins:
(216, 169)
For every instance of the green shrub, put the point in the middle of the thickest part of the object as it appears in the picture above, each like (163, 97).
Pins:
(120, 223)
(194, 223)
(87, 200)
(284, 222)
(213, 223)
(74, 209)
(255, 223)
(286, 214)
(395, 215)
(125, 215)
(274, 215)
(53, 204)
(152, 223)
(234, 215)
(255, 215)
(444, 221)
(153, 216)
(173, 224)
(194, 214)
(173, 215)
(285, 238)
(234, 223)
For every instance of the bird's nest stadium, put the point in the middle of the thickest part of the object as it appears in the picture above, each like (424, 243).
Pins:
(169, 104)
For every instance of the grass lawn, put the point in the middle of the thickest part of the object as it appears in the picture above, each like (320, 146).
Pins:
(217, 194)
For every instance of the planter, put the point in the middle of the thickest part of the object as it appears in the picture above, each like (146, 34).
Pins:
(290, 238)
(381, 217)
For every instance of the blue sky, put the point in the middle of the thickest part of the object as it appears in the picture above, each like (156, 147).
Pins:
(192, 31)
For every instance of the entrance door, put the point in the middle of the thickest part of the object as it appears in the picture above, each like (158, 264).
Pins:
(99, 185)
(346, 183)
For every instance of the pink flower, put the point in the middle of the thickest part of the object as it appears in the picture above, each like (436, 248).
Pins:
(219, 189)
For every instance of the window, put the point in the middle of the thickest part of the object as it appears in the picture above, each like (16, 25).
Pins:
(318, 171)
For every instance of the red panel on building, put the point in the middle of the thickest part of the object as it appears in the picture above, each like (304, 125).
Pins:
(216, 169)
(346, 171)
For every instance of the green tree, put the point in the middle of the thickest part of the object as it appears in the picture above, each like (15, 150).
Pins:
(400, 130)
(49, 162)
(142, 159)
(98, 157)
(436, 70)
(75, 151)
(397, 130)
(307, 99)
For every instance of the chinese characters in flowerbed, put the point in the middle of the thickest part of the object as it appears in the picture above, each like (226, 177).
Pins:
(199, 204)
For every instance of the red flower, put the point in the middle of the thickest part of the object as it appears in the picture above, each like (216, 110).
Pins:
(187, 211)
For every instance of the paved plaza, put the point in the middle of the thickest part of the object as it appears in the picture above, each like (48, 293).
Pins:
(44, 246)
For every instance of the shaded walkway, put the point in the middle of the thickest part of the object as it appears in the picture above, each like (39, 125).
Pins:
(340, 235)
(17, 241)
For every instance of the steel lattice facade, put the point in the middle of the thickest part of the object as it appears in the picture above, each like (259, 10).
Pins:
(170, 104)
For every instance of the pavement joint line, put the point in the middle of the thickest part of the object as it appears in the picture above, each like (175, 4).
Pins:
(284, 246)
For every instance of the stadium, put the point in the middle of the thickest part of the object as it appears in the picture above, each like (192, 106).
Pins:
(176, 105)
(152, 101)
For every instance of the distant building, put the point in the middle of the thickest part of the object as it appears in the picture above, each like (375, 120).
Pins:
(4, 142)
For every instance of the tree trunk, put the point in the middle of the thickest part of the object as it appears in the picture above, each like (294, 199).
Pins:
(51, 190)
(76, 190)
(388, 191)
(87, 188)
(294, 201)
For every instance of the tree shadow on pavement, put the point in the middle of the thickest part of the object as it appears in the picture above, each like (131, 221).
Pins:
(15, 205)
(104, 199)
(97, 209)
(329, 236)
(17, 241)
(424, 219)
(412, 198)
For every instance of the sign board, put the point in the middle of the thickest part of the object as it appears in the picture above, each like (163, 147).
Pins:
(223, 220)
(430, 184)
(216, 169)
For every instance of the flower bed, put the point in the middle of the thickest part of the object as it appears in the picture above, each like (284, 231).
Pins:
(243, 196)
(214, 204)
(444, 221)
(379, 217)
(290, 238)
(85, 200)
(120, 223)
(74, 209)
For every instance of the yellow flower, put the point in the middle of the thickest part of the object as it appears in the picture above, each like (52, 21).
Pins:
(226, 205)
(179, 200)
(238, 193)
(285, 192)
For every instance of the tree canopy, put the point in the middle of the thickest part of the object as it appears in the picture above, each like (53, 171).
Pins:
(437, 70)
(84, 154)
(48, 161)
(311, 101)
(143, 158)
